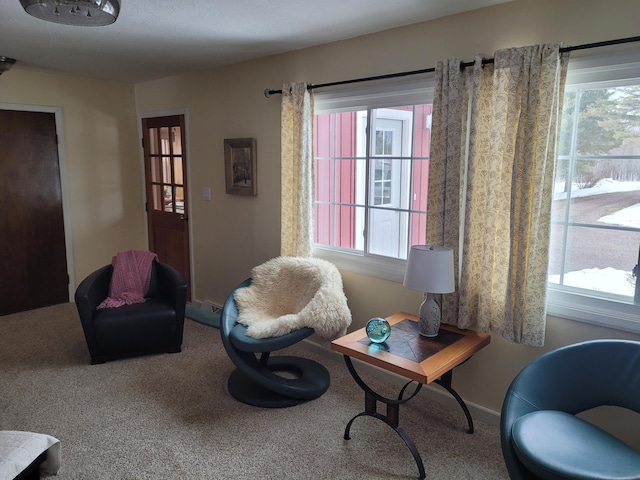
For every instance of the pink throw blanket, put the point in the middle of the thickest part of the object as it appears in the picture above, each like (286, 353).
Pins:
(130, 279)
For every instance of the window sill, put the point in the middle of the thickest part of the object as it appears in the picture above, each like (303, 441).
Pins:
(375, 266)
(615, 314)
(619, 315)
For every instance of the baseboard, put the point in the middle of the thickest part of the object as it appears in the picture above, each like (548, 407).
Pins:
(432, 392)
(207, 306)
(204, 313)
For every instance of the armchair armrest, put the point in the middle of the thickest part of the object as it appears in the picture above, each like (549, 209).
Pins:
(89, 294)
(171, 286)
(92, 291)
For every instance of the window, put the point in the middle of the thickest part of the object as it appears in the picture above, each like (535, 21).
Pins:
(595, 237)
(372, 160)
(371, 171)
(166, 165)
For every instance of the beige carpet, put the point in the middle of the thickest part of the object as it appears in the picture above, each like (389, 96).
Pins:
(170, 416)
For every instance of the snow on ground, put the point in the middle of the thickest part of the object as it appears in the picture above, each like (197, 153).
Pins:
(599, 279)
(626, 217)
(606, 185)
(607, 279)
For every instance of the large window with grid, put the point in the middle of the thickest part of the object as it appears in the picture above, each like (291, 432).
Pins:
(595, 236)
(372, 159)
(371, 173)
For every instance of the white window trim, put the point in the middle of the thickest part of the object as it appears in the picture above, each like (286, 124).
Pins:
(377, 96)
(376, 266)
(618, 314)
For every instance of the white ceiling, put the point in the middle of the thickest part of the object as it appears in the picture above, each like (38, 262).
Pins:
(158, 38)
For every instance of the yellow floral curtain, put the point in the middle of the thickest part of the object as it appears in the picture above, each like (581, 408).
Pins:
(297, 171)
(490, 186)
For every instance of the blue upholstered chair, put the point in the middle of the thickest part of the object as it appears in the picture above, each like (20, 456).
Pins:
(540, 434)
(263, 380)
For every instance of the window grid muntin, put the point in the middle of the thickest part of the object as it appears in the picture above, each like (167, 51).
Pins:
(368, 203)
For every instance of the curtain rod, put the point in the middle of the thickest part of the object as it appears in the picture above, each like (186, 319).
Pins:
(268, 92)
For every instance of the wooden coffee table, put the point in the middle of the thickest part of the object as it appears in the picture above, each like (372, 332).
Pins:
(420, 359)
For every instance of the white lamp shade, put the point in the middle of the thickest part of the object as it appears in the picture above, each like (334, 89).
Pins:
(430, 269)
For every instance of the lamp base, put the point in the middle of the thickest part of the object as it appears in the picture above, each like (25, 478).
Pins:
(429, 317)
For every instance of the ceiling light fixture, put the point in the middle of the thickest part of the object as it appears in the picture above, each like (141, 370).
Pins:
(86, 13)
(6, 63)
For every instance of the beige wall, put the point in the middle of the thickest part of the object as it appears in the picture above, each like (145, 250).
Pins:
(231, 234)
(99, 148)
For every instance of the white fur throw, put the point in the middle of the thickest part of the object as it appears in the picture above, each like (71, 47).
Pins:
(289, 293)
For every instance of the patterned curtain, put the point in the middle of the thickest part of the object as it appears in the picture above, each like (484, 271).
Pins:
(297, 171)
(490, 186)
(447, 170)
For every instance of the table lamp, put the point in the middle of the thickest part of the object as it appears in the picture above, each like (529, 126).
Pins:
(429, 270)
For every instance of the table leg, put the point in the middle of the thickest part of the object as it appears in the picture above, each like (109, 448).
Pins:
(445, 382)
(371, 400)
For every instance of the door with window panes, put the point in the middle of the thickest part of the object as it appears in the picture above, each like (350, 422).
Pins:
(166, 189)
(388, 182)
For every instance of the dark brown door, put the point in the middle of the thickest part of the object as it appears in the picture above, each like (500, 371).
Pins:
(34, 260)
(166, 185)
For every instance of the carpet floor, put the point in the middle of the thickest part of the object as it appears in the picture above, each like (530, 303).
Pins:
(170, 416)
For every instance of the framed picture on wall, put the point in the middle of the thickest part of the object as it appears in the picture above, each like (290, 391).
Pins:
(240, 166)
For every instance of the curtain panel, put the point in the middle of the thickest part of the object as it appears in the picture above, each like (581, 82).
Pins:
(490, 186)
(297, 174)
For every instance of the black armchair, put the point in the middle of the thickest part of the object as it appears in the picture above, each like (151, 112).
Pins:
(155, 326)
(540, 434)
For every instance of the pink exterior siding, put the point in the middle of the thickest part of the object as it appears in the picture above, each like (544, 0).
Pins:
(334, 139)
(421, 148)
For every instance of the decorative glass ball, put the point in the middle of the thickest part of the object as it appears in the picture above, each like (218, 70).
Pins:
(378, 330)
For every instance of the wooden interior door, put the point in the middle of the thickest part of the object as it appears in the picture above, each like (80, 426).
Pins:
(34, 259)
(166, 186)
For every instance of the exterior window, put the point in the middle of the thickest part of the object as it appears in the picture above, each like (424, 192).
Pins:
(596, 206)
(595, 236)
(371, 188)
(371, 170)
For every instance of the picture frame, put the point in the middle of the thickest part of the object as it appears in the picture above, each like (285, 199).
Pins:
(240, 166)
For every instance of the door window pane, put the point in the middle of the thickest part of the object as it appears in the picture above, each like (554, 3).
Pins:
(179, 200)
(156, 169)
(157, 197)
(164, 141)
(166, 169)
(176, 143)
(153, 141)
(178, 177)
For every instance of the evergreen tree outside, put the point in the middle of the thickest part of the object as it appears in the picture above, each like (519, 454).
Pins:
(608, 128)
